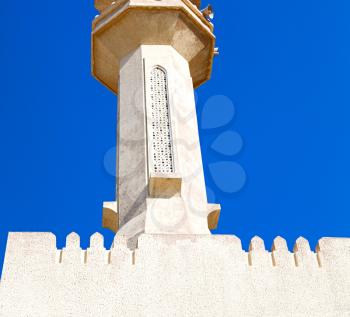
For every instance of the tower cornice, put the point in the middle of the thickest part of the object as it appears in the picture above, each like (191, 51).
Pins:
(102, 5)
(177, 23)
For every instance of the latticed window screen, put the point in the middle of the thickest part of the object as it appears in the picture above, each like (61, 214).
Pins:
(162, 147)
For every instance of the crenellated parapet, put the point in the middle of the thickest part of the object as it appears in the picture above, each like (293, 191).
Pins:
(190, 275)
(41, 247)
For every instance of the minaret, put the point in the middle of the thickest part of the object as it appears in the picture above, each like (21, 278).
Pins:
(152, 54)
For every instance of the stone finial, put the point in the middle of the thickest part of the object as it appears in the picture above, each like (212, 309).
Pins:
(257, 244)
(72, 253)
(97, 254)
(280, 254)
(279, 243)
(73, 241)
(97, 241)
(303, 255)
(257, 255)
(301, 245)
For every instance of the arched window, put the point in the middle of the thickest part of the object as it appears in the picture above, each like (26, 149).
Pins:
(162, 146)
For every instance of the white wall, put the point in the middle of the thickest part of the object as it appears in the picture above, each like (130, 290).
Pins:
(174, 275)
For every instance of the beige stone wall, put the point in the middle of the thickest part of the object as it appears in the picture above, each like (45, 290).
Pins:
(174, 275)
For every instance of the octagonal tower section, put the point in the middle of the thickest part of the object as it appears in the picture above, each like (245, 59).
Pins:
(152, 54)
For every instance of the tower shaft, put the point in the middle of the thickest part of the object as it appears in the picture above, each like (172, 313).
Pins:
(161, 185)
(152, 54)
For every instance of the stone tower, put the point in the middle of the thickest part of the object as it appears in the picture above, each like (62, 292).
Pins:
(152, 54)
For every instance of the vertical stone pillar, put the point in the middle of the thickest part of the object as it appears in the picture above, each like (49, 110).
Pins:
(153, 54)
(161, 185)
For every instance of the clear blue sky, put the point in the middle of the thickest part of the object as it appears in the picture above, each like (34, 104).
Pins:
(284, 67)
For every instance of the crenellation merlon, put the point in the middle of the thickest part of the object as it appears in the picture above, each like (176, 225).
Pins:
(97, 253)
(303, 255)
(258, 256)
(72, 253)
(280, 254)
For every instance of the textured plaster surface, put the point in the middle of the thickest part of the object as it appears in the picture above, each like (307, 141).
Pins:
(174, 275)
(184, 208)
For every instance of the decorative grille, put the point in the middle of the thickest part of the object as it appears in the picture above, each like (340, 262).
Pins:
(162, 147)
